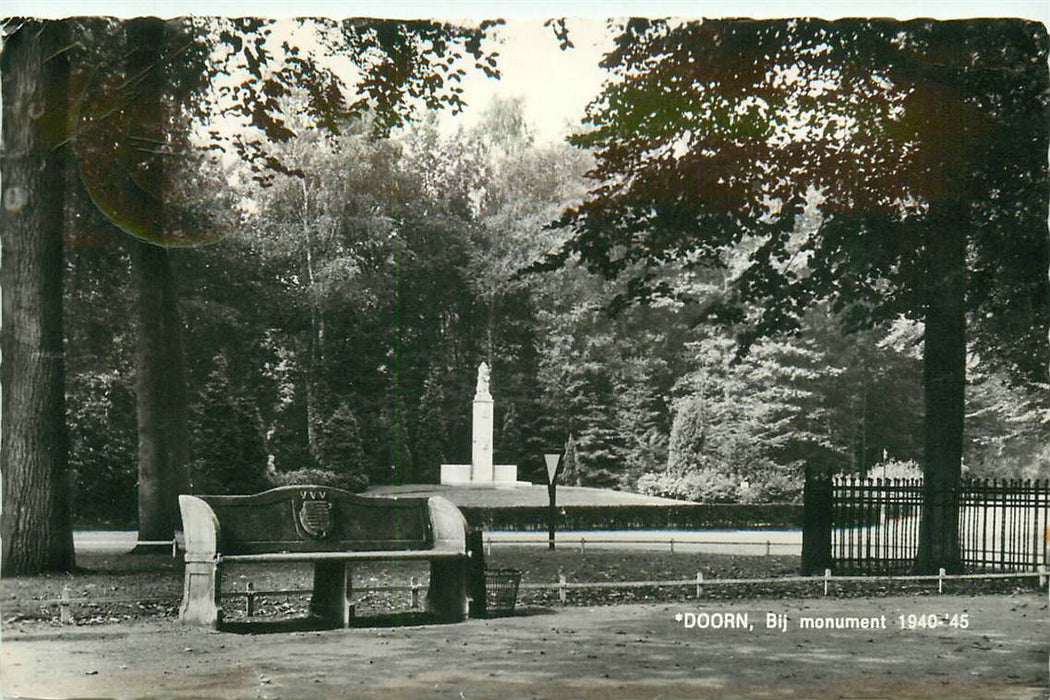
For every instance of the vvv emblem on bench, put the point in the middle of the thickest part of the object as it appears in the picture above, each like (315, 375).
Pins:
(314, 514)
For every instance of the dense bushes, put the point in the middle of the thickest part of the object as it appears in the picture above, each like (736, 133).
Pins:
(228, 451)
(354, 482)
(707, 486)
(103, 455)
(339, 447)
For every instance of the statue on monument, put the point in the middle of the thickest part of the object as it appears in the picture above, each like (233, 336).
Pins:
(482, 389)
(481, 471)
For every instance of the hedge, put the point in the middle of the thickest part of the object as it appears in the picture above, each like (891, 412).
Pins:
(692, 516)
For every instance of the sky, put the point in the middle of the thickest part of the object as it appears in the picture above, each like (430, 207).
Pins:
(940, 9)
(555, 86)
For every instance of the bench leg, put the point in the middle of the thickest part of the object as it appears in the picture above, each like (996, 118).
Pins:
(447, 595)
(333, 586)
(200, 594)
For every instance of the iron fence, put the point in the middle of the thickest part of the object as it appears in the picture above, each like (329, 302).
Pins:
(875, 523)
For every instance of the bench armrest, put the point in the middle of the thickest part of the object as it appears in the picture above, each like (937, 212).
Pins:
(200, 527)
(448, 525)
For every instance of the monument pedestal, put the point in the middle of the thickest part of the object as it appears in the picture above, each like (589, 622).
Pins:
(502, 475)
(481, 440)
(455, 474)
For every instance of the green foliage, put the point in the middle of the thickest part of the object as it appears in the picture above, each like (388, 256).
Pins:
(605, 381)
(508, 438)
(355, 482)
(431, 433)
(895, 469)
(863, 163)
(287, 441)
(780, 485)
(398, 466)
(701, 485)
(686, 516)
(103, 455)
(1008, 428)
(570, 469)
(842, 401)
(871, 389)
(754, 422)
(340, 450)
(374, 275)
(100, 386)
(228, 453)
(720, 132)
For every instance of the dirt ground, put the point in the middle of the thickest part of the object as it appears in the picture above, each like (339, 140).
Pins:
(622, 651)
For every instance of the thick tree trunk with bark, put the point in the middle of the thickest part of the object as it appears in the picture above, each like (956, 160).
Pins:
(944, 370)
(36, 527)
(160, 377)
(161, 387)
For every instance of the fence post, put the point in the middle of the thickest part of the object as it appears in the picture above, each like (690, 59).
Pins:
(827, 580)
(415, 592)
(561, 588)
(816, 520)
(249, 597)
(488, 547)
(699, 583)
(672, 545)
(64, 615)
(583, 544)
(767, 547)
(1042, 575)
(940, 580)
(174, 548)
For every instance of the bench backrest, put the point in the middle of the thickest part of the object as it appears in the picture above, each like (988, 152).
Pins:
(316, 519)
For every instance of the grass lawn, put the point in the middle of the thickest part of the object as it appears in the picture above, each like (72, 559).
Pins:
(535, 495)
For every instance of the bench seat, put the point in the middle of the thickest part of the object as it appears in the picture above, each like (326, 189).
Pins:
(330, 528)
(342, 556)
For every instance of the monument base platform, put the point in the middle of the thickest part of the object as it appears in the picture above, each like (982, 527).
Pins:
(460, 475)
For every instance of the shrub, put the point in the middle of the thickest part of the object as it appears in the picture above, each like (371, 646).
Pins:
(320, 477)
(227, 442)
(339, 445)
(778, 486)
(687, 516)
(704, 486)
(103, 456)
(896, 469)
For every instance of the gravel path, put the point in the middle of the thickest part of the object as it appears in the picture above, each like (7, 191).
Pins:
(626, 651)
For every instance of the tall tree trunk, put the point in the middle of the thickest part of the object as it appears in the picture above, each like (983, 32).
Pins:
(161, 387)
(36, 527)
(315, 340)
(944, 374)
(160, 377)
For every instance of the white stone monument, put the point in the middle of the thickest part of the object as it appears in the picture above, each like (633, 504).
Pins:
(481, 471)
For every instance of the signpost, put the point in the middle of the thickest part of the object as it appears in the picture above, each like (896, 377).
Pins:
(553, 460)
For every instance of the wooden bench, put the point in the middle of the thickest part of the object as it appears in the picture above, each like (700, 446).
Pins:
(329, 528)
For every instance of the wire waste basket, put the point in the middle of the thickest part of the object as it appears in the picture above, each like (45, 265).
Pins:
(501, 590)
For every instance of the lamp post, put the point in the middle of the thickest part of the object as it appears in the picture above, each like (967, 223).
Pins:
(553, 460)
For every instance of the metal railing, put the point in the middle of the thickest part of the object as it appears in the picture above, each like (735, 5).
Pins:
(580, 543)
(999, 524)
